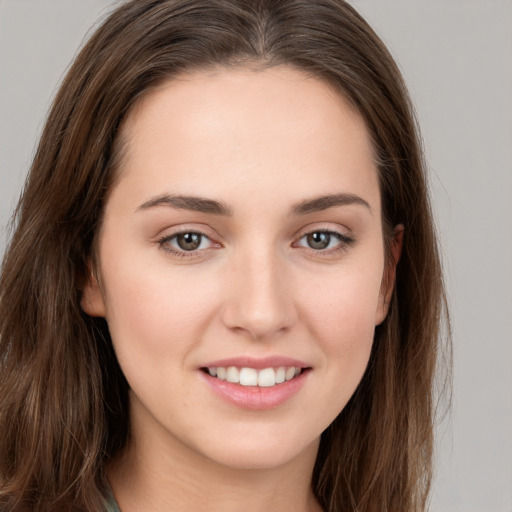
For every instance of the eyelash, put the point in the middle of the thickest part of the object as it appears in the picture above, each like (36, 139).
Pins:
(164, 243)
(345, 241)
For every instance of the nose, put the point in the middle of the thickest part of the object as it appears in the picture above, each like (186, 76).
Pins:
(261, 301)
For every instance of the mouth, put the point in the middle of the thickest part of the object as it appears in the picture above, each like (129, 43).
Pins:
(256, 383)
(247, 376)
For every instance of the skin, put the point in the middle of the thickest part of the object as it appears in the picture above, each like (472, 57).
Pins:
(260, 142)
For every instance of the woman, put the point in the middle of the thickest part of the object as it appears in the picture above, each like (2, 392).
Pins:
(224, 289)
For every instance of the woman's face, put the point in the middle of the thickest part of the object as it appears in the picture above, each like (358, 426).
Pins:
(243, 235)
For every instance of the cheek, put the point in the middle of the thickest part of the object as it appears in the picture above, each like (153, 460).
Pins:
(152, 311)
(341, 317)
(344, 305)
(156, 320)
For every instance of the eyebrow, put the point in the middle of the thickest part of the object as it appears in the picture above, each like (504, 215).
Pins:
(203, 205)
(321, 203)
(197, 204)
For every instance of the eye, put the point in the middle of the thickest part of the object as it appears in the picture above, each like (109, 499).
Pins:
(324, 240)
(186, 242)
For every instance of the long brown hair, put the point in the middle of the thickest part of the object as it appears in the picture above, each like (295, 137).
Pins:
(63, 398)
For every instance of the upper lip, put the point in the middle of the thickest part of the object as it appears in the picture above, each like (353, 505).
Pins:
(257, 363)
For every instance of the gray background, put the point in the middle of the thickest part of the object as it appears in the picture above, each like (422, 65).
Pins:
(456, 56)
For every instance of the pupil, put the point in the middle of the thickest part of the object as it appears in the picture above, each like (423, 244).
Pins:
(319, 240)
(189, 241)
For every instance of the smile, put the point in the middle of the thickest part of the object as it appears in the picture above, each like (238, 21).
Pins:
(245, 376)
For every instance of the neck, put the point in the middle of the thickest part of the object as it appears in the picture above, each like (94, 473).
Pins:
(156, 474)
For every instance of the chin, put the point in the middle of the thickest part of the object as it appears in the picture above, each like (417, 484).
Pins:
(258, 454)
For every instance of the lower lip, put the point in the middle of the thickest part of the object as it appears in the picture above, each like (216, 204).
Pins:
(255, 397)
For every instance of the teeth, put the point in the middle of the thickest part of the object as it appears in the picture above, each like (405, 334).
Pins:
(248, 377)
(232, 374)
(266, 377)
(290, 373)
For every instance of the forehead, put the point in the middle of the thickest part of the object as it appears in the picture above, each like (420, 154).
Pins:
(287, 94)
(211, 129)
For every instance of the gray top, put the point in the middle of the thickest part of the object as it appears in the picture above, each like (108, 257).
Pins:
(111, 504)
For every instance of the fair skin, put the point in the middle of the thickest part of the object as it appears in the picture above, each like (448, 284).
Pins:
(263, 275)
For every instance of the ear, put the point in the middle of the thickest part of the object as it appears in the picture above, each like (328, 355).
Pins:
(388, 279)
(92, 299)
